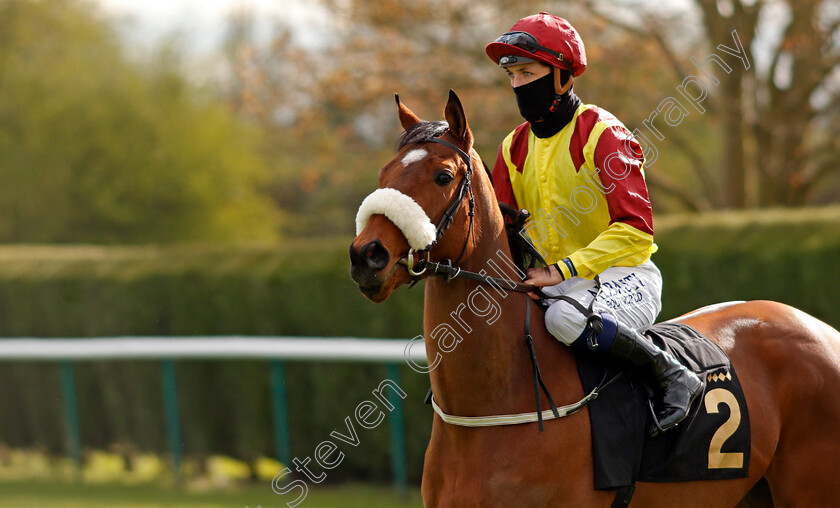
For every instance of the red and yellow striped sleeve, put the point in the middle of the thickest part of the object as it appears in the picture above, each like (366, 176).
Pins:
(604, 144)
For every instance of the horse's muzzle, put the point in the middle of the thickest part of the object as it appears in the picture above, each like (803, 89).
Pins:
(367, 262)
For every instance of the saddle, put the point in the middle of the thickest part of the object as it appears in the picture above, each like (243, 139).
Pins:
(712, 443)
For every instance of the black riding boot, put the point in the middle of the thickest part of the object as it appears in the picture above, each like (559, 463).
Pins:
(680, 386)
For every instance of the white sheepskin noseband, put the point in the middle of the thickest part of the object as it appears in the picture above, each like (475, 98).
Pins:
(402, 211)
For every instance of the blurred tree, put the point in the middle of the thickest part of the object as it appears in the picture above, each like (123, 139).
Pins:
(773, 112)
(761, 139)
(329, 106)
(96, 148)
(330, 111)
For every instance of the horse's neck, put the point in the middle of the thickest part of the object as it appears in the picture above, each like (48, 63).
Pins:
(475, 333)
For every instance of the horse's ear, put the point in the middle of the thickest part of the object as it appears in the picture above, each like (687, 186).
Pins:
(457, 120)
(407, 117)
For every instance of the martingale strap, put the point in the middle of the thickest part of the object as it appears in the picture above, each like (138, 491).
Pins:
(538, 380)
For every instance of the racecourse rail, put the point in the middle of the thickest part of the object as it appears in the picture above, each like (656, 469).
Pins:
(274, 350)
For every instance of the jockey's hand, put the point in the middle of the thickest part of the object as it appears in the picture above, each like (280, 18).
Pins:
(543, 276)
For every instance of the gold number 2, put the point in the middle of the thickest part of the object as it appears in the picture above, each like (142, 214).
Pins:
(718, 459)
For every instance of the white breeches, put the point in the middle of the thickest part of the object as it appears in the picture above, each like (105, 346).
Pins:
(633, 295)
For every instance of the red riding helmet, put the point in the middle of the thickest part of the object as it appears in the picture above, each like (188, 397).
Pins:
(543, 37)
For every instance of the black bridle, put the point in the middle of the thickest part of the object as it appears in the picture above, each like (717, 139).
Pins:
(417, 267)
(449, 269)
(464, 189)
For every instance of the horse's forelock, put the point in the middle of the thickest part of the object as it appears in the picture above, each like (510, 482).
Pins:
(421, 133)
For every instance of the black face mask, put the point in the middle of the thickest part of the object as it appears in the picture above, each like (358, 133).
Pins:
(535, 98)
(545, 110)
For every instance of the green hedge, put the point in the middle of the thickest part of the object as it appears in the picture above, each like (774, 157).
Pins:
(303, 289)
(300, 289)
(791, 256)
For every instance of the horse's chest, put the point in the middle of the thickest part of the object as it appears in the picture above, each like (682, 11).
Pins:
(491, 469)
(501, 489)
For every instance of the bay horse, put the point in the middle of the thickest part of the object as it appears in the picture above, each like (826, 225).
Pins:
(788, 362)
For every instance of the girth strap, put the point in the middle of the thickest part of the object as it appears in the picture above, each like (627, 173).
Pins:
(516, 419)
(623, 496)
(511, 419)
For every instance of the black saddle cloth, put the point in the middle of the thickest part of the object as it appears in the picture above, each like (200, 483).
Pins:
(712, 443)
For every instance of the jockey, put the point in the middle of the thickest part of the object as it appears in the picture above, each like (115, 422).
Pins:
(579, 171)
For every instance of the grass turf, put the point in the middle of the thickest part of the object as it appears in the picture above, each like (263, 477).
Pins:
(39, 494)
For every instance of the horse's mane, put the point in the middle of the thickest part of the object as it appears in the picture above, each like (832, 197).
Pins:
(421, 133)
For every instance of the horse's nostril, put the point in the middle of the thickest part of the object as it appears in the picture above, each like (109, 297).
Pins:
(374, 255)
(355, 259)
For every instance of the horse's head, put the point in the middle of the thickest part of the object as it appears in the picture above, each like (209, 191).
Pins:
(424, 187)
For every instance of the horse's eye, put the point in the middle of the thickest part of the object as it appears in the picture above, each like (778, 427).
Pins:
(443, 177)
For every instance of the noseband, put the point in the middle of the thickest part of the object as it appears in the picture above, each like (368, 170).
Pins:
(417, 267)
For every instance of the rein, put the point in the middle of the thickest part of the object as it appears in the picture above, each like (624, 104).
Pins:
(449, 271)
